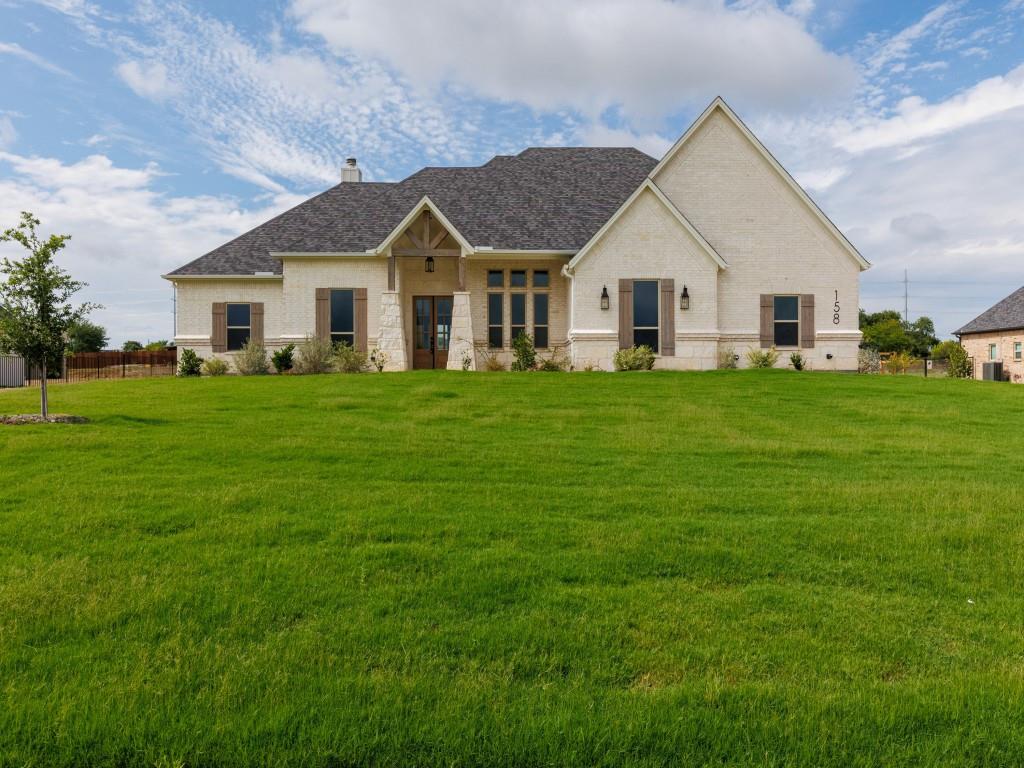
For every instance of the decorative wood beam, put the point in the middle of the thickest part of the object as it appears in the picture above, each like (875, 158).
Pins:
(391, 272)
(438, 238)
(426, 229)
(424, 252)
(462, 273)
(415, 240)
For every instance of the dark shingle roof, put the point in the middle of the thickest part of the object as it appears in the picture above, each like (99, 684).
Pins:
(1008, 314)
(540, 199)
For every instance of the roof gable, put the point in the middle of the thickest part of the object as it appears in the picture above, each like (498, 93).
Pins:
(647, 185)
(1006, 315)
(719, 105)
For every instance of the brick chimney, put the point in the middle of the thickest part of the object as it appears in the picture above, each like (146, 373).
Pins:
(350, 171)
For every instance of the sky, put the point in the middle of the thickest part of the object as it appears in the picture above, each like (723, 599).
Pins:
(154, 131)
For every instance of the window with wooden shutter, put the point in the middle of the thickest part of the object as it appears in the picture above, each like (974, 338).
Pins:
(625, 314)
(323, 313)
(807, 320)
(668, 317)
(256, 321)
(360, 319)
(219, 328)
(767, 320)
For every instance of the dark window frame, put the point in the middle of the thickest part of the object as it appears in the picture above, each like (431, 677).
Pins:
(547, 278)
(513, 274)
(335, 336)
(514, 328)
(247, 328)
(539, 341)
(645, 330)
(1018, 350)
(491, 273)
(499, 326)
(789, 324)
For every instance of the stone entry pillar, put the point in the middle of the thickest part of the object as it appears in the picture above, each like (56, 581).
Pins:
(462, 333)
(391, 339)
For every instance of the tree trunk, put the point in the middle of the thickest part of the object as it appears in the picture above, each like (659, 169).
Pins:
(44, 405)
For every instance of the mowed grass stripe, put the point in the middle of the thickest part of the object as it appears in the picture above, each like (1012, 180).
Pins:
(743, 568)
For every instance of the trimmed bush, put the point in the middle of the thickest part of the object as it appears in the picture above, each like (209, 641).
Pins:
(492, 363)
(797, 361)
(898, 362)
(767, 358)
(959, 364)
(348, 359)
(252, 360)
(726, 358)
(189, 364)
(634, 359)
(524, 356)
(379, 358)
(868, 361)
(214, 367)
(284, 359)
(557, 362)
(315, 356)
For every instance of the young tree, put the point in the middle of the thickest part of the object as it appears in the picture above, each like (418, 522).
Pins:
(156, 346)
(87, 337)
(35, 312)
(131, 346)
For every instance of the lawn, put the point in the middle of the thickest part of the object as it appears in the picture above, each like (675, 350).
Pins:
(728, 568)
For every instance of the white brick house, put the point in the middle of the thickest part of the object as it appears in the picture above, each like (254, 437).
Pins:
(712, 249)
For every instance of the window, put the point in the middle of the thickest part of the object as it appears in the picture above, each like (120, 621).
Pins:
(992, 351)
(540, 278)
(1017, 350)
(517, 314)
(540, 320)
(517, 278)
(343, 329)
(645, 313)
(787, 321)
(495, 278)
(494, 320)
(239, 326)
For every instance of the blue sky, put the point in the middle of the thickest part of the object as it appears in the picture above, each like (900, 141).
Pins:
(154, 131)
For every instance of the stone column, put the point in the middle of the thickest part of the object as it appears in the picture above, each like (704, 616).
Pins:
(391, 339)
(462, 333)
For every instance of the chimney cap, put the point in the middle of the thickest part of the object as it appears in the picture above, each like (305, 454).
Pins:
(350, 162)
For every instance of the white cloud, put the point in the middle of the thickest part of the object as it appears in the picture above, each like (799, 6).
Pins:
(648, 57)
(125, 233)
(147, 79)
(598, 135)
(7, 132)
(916, 119)
(13, 49)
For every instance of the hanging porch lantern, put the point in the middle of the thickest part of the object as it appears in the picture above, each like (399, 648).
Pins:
(429, 265)
(684, 299)
(604, 297)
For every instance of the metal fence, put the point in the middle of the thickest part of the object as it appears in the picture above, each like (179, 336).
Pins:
(12, 371)
(90, 366)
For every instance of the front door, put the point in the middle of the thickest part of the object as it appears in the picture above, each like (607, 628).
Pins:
(432, 331)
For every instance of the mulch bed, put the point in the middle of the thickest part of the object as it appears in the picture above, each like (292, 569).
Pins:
(35, 418)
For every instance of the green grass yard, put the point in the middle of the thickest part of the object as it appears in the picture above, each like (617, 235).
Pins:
(728, 568)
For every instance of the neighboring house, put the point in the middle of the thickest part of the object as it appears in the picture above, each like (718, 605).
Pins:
(711, 251)
(997, 335)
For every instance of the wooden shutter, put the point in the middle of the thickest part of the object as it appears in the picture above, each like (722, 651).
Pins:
(323, 313)
(219, 327)
(256, 322)
(625, 314)
(359, 303)
(807, 320)
(668, 318)
(767, 320)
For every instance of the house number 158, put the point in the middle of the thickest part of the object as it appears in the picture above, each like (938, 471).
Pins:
(835, 310)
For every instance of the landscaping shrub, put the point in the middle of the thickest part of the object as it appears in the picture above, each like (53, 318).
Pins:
(314, 356)
(492, 363)
(252, 360)
(215, 367)
(762, 358)
(523, 353)
(942, 350)
(868, 361)
(467, 360)
(634, 359)
(379, 358)
(348, 359)
(797, 361)
(190, 364)
(726, 358)
(898, 362)
(959, 364)
(284, 359)
(557, 362)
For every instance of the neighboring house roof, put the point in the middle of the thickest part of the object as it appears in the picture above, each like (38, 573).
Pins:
(719, 104)
(1007, 315)
(541, 199)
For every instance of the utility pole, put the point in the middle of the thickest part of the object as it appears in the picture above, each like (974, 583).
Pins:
(906, 301)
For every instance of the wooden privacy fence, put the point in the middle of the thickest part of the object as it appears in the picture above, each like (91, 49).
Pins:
(89, 366)
(12, 371)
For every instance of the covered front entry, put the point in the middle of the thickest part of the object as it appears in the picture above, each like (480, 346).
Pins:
(432, 331)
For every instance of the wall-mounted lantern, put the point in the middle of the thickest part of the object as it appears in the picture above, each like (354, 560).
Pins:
(604, 297)
(684, 299)
(429, 265)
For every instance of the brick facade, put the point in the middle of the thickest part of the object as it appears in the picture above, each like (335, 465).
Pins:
(977, 347)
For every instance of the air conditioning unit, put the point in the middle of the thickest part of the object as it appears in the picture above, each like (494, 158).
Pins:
(992, 371)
